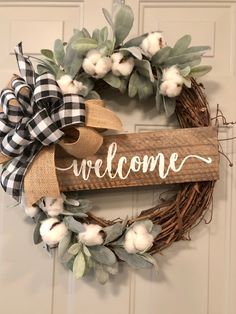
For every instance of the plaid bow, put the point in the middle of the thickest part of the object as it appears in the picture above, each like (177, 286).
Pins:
(32, 119)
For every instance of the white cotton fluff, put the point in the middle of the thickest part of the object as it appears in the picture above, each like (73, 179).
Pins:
(153, 43)
(96, 65)
(52, 206)
(52, 231)
(172, 82)
(170, 88)
(91, 236)
(138, 239)
(121, 66)
(31, 211)
(70, 86)
(172, 74)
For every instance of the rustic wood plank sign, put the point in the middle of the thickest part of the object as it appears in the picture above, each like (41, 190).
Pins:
(141, 159)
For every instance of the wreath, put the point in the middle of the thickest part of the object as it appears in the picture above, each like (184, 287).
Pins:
(38, 108)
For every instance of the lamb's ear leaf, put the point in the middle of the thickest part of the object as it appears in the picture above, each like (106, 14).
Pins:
(181, 45)
(113, 232)
(37, 237)
(201, 49)
(132, 88)
(144, 68)
(73, 225)
(158, 98)
(149, 258)
(112, 80)
(47, 53)
(156, 229)
(123, 23)
(103, 35)
(161, 55)
(169, 105)
(83, 45)
(101, 274)
(185, 72)
(75, 248)
(79, 265)
(135, 41)
(135, 51)
(200, 71)
(64, 244)
(72, 62)
(136, 261)
(182, 59)
(108, 17)
(59, 52)
(102, 254)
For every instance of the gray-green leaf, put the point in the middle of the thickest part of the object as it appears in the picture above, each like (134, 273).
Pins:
(79, 266)
(113, 232)
(200, 71)
(182, 59)
(59, 52)
(132, 89)
(144, 68)
(84, 44)
(102, 254)
(156, 229)
(123, 23)
(37, 237)
(135, 41)
(108, 17)
(169, 105)
(134, 260)
(73, 225)
(135, 51)
(47, 53)
(101, 274)
(112, 80)
(74, 249)
(64, 244)
(161, 55)
(181, 45)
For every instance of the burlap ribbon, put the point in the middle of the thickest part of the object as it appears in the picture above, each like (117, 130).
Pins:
(35, 115)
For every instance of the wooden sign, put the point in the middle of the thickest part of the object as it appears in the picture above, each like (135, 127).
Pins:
(128, 160)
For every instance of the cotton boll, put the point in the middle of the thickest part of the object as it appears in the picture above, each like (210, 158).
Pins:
(102, 67)
(143, 242)
(129, 242)
(92, 235)
(88, 67)
(172, 74)
(96, 65)
(52, 206)
(153, 43)
(138, 239)
(170, 88)
(52, 231)
(94, 56)
(70, 86)
(31, 211)
(120, 65)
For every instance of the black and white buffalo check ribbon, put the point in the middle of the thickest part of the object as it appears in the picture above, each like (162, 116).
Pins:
(36, 122)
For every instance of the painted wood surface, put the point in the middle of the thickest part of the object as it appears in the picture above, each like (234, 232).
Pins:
(150, 158)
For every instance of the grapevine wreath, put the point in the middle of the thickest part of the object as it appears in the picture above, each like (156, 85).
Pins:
(67, 84)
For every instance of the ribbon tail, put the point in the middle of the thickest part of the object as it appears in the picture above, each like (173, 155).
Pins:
(25, 66)
(41, 179)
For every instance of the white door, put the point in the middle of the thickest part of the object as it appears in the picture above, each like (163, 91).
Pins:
(197, 277)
